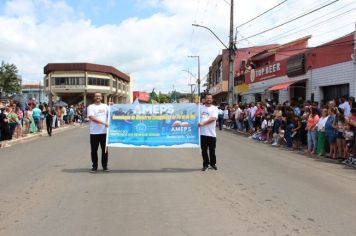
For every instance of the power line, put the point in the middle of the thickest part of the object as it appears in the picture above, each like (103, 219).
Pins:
(254, 18)
(296, 6)
(287, 33)
(333, 30)
(294, 19)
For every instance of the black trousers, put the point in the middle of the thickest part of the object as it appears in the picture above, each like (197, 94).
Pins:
(95, 140)
(208, 143)
(49, 126)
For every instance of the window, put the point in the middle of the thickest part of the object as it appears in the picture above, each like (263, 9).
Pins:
(98, 81)
(68, 81)
(335, 91)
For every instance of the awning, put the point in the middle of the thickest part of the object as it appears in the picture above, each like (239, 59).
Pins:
(282, 86)
(254, 91)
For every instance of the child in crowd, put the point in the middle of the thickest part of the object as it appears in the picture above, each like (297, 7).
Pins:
(264, 129)
(349, 143)
(270, 123)
(296, 132)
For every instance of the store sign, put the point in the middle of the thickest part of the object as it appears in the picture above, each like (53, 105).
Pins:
(220, 87)
(242, 88)
(296, 65)
(266, 72)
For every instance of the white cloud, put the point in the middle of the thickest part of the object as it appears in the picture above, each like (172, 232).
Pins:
(154, 49)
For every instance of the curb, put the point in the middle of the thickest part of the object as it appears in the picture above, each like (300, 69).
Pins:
(301, 153)
(42, 134)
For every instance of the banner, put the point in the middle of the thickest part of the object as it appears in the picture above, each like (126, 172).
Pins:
(154, 125)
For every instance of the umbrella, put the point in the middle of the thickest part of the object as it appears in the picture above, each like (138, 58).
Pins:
(60, 104)
(18, 98)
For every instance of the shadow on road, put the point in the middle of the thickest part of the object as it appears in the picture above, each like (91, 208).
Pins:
(163, 170)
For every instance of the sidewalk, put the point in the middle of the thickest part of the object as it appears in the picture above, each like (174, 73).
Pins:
(300, 152)
(32, 136)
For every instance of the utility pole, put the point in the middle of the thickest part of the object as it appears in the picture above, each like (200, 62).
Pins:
(231, 88)
(198, 79)
(191, 92)
(231, 48)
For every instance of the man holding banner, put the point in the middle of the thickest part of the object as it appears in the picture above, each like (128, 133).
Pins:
(207, 124)
(98, 116)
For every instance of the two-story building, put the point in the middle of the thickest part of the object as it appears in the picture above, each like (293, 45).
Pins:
(77, 83)
(293, 70)
(218, 76)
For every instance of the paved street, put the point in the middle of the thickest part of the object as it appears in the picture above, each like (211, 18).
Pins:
(45, 189)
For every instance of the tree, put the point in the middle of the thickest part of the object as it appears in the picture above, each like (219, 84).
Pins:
(153, 97)
(10, 82)
(164, 98)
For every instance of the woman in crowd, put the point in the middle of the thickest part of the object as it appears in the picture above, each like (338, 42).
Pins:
(258, 116)
(19, 130)
(339, 126)
(313, 119)
(349, 143)
(42, 107)
(13, 120)
(238, 117)
(296, 132)
(304, 122)
(226, 116)
(246, 118)
(289, 126)
(330, 132)
(221, 117)
(49, 120)
(33, 128)
(4, 129)
(27, 120)
(270, 123)
(320, 149)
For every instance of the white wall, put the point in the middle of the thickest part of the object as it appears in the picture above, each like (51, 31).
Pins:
(342, 73)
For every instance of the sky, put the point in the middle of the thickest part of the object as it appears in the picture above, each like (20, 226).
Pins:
(152, 39)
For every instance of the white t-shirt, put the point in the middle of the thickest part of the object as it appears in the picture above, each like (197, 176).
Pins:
(346, 108)
(226, 114)
(264, 124)
(253, 111)
(205, 114)
(238, 113)
(321, 123)
(101, 112)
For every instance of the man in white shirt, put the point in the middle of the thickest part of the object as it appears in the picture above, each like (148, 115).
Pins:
(98, 115)
(251, 118)
(345, 106)
(238, 112)
(207, 124)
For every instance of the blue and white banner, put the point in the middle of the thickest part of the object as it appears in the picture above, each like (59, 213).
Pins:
(154, 125)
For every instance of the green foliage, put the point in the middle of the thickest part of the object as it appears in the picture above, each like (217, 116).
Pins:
(153, 97)
(10, 82)
(164, 98)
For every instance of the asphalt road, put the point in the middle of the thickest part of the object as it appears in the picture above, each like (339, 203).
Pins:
(46, 189)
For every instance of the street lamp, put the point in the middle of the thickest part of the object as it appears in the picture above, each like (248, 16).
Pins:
(198, 80)
(231, 48)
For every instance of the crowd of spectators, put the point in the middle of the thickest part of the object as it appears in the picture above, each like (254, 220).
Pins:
(19, 119)
(322, 129)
